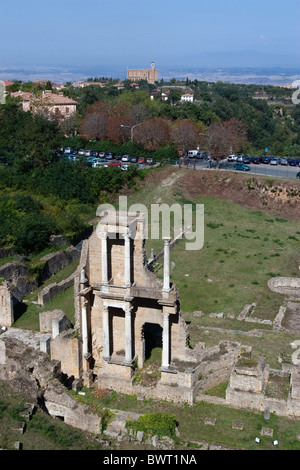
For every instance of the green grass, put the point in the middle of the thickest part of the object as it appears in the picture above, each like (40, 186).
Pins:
(42, 432)
(192, 425)
(28, 313)
(240, 254)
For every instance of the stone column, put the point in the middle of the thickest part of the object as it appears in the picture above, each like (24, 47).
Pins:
(103, 236)
(127, 275)
(84, 331)
(105, 329)
(128, 335)
(166, 342)
(166, 286)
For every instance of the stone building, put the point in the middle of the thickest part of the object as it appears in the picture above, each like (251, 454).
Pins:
(150, 75)
(122, 309)
(53, 105)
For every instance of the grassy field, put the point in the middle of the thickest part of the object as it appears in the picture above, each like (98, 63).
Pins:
(27, 312)
(242, 250)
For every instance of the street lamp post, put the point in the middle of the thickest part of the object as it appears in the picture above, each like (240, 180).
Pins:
(131, 129)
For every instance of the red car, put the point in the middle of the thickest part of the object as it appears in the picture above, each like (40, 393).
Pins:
(113, 163)
(141, 159)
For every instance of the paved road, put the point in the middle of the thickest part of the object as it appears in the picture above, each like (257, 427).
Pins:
(279, 171)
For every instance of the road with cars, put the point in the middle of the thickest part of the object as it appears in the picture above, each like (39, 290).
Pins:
(279, 171)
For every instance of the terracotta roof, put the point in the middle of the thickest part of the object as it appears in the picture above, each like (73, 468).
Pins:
(7, 82)
(26, 96)
(57, 98)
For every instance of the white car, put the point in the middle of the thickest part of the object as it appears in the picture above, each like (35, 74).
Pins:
(98, 164)
(125, 158)
(275, 161)
(232, 158)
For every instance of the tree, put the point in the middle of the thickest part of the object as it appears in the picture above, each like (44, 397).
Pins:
(28, 139)
(95, 122)
(226, 137)
(152, 133)
(186, 135)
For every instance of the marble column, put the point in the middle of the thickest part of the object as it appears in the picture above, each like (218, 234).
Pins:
(84, 331)
(127, 274)
(166, 342)
(166, 286)
(128, 335)
(105, 329)
(103, 236)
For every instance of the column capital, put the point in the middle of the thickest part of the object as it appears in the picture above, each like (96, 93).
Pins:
(102, 235)
(128, 309)
(167, 240)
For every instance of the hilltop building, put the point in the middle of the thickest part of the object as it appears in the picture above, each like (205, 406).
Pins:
(56, 105)
(150, 75)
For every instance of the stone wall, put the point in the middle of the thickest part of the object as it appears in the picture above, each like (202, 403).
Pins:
(65, 348)
(285, 285)
(19, 279)
(31, 373)
(53, 290)
(6, 306)
(55, 262)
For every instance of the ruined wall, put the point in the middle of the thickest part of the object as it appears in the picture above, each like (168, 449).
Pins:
(66, 349)
(31, 373)
(6, 306)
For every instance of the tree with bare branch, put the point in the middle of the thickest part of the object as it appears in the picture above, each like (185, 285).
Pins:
(152, 133)
(186, 135)
(226, 137)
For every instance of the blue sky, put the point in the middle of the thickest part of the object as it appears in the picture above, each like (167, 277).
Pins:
(135, 32)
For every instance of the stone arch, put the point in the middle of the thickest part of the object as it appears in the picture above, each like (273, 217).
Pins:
(152, 338)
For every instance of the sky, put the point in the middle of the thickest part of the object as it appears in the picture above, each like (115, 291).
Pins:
(133, 33)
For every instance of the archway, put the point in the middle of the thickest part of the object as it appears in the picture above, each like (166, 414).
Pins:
(152, 336)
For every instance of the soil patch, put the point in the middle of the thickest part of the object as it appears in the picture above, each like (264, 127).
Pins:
(292, 317)
(279, 196)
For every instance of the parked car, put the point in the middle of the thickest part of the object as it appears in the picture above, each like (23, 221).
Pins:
(101, 154)
(70, 150)
(109, 156)
(134, 159)
(298, 175)
(98, 164)
(88, 153)
(90, 161)
(94, 153)
(247, 160)
(113, 163)
(150, 161)
(118, 157)
(232, 158)
(125, 158)
(141, 159)
(266, 160)
(275, 161)
(124, 167)
(256, 160)
(201, 154)
(293, 162)
(241, 167)
(284, 162)
(81, 152)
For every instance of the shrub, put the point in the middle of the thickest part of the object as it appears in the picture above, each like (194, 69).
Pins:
(161, 424)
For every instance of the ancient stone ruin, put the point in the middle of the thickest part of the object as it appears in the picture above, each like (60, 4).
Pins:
(123, 310)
